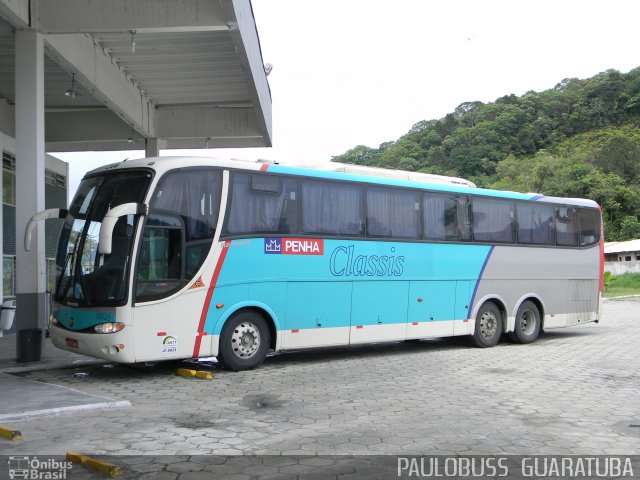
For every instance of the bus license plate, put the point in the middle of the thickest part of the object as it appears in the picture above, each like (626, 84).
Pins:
(71, 342)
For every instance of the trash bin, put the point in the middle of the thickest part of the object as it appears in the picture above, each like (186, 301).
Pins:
(7, 315)
(29, 345)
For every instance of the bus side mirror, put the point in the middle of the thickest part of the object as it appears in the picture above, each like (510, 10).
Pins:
(110, 219)
(38, 217)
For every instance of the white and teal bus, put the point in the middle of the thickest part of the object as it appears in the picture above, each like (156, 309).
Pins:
(175, 258)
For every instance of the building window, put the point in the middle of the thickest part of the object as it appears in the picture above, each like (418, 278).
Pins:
(8, 178)
(54, 179)
(51, 274)
(627, 258)
(8, 276)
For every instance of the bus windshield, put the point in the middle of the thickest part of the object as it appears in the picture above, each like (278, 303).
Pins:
(86, 277)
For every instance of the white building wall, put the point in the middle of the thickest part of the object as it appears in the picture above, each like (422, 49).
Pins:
(620, 268)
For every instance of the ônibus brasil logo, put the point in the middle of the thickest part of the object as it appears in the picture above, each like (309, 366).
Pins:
(38, 469)
(294, 246)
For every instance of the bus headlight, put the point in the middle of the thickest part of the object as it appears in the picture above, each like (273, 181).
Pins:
(109, 327)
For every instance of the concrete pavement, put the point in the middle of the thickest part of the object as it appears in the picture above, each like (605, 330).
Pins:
(574, 391)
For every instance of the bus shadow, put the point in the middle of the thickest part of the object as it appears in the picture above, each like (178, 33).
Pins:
(386, 349)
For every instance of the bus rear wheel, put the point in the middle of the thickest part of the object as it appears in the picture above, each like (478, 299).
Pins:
(527, 327)
(488, 326)
(244, 341)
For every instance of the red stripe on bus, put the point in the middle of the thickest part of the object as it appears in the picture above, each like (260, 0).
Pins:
(414, 323)
(161, 334)
(601, 284)
(264, 167)
(359, 326)
(207, 301)
(295, 331)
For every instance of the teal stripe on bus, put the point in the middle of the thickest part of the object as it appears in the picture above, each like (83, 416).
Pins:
(356, 272)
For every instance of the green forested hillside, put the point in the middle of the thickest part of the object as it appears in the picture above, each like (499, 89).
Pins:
(578, 139)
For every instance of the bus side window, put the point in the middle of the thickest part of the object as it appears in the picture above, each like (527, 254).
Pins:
(393, 213)
(567, 229)
(289, 213)
(589, 221)
(445, 217)
(536, 224)
(332, 208)
(493, 220)
(261, 203)
(160, 261)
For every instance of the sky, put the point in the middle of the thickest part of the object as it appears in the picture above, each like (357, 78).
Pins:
(362, 72)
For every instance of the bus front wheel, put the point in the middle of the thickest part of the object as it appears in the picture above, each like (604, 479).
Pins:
(244, 341)
(488, 326)
(527, 327)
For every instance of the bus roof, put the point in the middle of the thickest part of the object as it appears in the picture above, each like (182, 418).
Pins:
(344, 172)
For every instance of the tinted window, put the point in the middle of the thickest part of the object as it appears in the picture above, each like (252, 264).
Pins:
(393, 213)
(567, 226)
(492, 220)
(331, 208)
(194, 195)
(159, 266)
(445, 217)
(589, 220)
(87, 276)
(535, 224)
(261, 204)
(179, 231)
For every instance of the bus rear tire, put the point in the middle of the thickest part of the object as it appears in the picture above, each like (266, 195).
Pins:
(488, 326)
(527, 326)
(244, 341)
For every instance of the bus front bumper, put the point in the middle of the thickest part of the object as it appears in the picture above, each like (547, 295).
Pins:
(115, 347)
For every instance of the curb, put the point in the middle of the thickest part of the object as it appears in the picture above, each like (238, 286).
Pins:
(10, 434)
(203, 374)
(106, 468)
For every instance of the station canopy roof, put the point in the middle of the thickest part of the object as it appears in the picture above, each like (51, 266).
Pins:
(189, 73)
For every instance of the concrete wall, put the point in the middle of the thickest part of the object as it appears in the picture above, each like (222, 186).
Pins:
(620, 268)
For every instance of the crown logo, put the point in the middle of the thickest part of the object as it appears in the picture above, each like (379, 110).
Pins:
(272, 246)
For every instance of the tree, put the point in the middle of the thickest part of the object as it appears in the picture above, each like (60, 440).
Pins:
(620, 155)
(360, 155)
(629, 229)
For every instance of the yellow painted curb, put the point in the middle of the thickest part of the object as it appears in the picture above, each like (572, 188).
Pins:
(10, 434)
(203, 374)
(98, 465)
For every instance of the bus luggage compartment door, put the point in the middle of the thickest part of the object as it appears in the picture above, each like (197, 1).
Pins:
(317, 314)
(431, 309)
(379, 311)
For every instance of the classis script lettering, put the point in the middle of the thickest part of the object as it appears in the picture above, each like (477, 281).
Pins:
(345, 262)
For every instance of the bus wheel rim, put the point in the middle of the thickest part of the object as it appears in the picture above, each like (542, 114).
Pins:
(488, 325)
(527, 322)
(245, 340)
